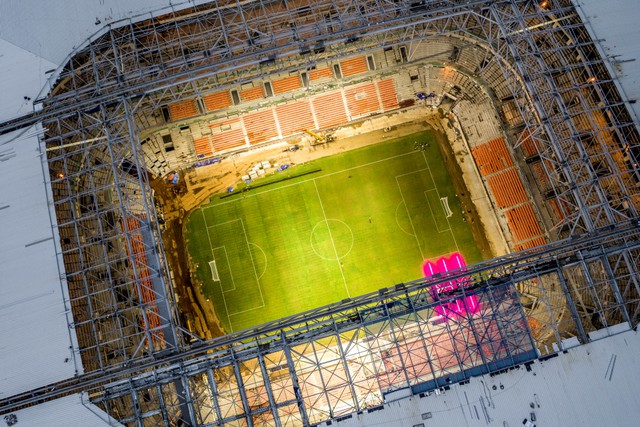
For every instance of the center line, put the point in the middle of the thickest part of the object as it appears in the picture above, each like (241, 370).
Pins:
(335, 251)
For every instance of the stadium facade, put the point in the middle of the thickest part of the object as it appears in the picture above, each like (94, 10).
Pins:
(137, 100)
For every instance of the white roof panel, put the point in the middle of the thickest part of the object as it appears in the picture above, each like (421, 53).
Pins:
(68, 411)
(615, 24)
(51, 31)
(35, 341)
(23, 75)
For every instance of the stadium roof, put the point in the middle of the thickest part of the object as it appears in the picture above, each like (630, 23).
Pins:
(52, 32)
(23, 75)
(591, 385)
(35, 341)
(68, 411)
(615, 24)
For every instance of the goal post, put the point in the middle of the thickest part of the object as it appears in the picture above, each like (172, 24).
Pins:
(445, 206)
(214, 271)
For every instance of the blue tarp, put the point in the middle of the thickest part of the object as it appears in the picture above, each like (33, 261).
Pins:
(207, 162)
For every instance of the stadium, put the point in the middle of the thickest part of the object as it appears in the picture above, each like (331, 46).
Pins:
(304, 213)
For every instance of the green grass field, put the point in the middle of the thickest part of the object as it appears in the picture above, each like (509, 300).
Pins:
(366, 221)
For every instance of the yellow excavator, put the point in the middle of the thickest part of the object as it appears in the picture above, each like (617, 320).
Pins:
(320, 138)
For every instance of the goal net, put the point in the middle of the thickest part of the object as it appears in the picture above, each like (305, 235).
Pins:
(445, 206)
(214, 271)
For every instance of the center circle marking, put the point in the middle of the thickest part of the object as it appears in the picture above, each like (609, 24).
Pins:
(331, 239)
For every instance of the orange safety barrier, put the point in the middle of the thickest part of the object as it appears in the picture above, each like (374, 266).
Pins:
(362, 100)
(252, 94)
(286, 84)
(507, 188)
(523, 223)
(182, 109)
(492, 156)
(138, 257)
(217, 100)
(203, 146)
(260, 126)
(294, 117)
(354, 66)
(387, 90)
(320, 73)
(329, 110)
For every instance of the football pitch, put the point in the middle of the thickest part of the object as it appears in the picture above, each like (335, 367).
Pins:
(334, 228)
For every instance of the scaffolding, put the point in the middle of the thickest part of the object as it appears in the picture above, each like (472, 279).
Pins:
(538, 63)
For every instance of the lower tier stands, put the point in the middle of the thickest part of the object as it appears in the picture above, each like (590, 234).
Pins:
(492, 156)
(523, 223)
(495, 163)
(507, 188)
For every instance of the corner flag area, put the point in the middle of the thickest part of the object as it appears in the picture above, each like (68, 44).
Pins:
(356, 222)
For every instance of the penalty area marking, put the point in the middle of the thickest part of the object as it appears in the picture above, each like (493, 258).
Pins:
(224, 300)
(397, 222)
(264, 255)
(257, 278)
(438, 193)
(233, 282)
(435, 221)
(255, 272)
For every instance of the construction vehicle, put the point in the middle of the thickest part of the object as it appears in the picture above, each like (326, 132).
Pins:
(320, 138)
(173, 178)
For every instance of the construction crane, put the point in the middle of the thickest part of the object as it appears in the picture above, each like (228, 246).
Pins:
(320, 138)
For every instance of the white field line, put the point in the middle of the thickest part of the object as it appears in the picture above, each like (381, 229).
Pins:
(221, 290)
(398, 223)
(224, 248)
(409, 216)
(438, 193)
(335, 251)
(433, 213)
(257, 193)
(253, 264)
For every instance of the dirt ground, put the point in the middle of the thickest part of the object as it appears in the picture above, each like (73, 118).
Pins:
(198, 185)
